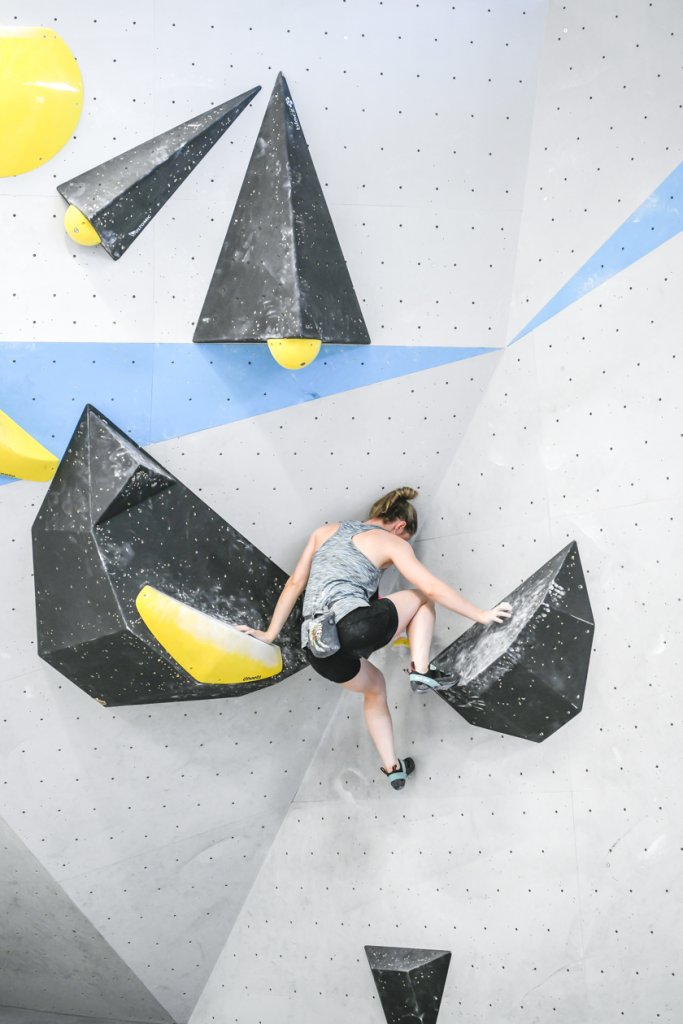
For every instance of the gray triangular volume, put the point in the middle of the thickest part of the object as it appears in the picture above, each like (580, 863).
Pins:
(121, 196)
(410, 982)
(281, 272)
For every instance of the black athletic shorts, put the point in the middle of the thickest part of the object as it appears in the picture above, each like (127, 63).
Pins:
(361, 632)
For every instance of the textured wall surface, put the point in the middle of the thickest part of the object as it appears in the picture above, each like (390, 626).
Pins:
(52, 957)
(226, 862)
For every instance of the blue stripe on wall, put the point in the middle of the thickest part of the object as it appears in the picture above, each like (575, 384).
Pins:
(158, 391)
(658, 219)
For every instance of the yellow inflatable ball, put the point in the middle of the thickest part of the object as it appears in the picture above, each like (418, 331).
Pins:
(79, 227)
(294, 353)
(41, 97)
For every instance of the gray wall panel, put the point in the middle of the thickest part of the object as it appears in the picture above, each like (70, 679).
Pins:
(155, 819)
(608, 425)
(276, 477)
(52, 957)
(605, 135)
(12, 1015)
(409, 871)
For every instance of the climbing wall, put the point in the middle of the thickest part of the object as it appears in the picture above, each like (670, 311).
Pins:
(503, 182)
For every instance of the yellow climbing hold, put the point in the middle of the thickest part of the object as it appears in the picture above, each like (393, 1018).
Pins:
(41, 97)
(21, 455)
(294, 353)
(79, 227)
(208, 648)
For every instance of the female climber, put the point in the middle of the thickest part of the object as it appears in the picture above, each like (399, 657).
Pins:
(339, 569)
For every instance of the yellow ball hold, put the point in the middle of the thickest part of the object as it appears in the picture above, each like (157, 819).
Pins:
(294, 353)
(79, 227)
(41, 97)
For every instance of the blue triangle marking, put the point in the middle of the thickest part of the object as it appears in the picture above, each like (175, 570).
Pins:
(657, 220)
(156, 392)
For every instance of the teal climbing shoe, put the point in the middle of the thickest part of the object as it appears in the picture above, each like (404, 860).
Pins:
(400, 772)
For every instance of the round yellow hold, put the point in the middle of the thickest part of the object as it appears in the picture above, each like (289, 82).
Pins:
(294, 353)
(41, 97)
(79, 227)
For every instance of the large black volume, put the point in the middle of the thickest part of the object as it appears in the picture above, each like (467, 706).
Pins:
(114, 521)
(281, 272)
(410, 982)
(526, 677)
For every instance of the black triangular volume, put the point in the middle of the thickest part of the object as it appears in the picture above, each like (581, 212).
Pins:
(569, 593)
(142, 484)
(121, 473)
(121, 196)
(281, 272)
(66, 504)
(410, 982)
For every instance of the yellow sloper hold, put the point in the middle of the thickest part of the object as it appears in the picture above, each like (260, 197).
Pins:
(21, 455)
(294, 353)
(41, 97)
(79, 228)
(209, 649)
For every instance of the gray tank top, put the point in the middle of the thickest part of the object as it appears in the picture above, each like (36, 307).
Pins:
(341, 576)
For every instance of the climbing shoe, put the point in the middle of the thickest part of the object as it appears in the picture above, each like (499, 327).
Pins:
(432, 679)
(400, 772)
